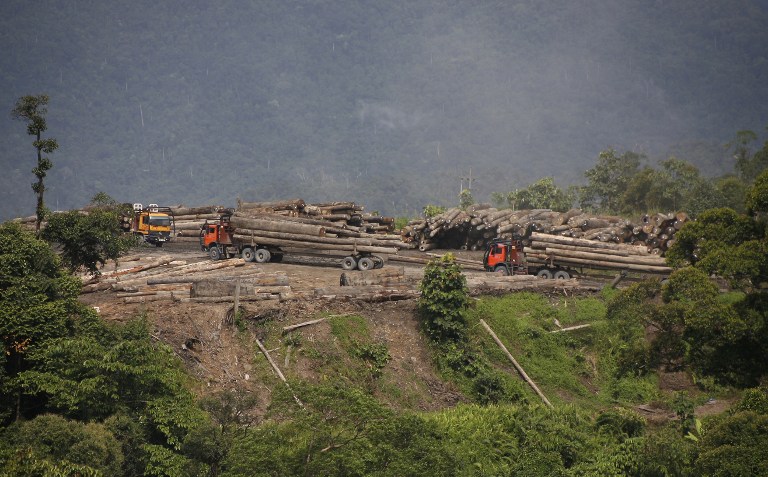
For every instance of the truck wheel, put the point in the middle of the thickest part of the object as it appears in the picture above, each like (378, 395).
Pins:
(501, 270)
(248, 255)
(262, 255)
(378, 261)
(562, 275)
(214, 253)
(277, 257)
(544, 273)
(365, 263)
(348, 263)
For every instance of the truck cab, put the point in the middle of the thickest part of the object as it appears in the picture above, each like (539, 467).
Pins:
(505, 256)
(216, 236)
(154, 224)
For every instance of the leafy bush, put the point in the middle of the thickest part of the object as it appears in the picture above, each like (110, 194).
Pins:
(444, 298)
(54, 439)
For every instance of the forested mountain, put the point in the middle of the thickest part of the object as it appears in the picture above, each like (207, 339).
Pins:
(384, 103)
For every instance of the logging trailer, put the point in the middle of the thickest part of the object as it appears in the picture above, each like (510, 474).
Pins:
(218, 239)
(154, 224)
(507, 256)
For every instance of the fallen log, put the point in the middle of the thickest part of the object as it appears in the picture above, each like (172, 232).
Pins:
(380, 276)
(516, 364)
(229, 298)
(571, 328)
(287, 329)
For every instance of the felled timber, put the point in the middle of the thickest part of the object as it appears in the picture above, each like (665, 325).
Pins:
(247, 223)
(383, 276)
(516, 364)
(309, 245)
(372, 293)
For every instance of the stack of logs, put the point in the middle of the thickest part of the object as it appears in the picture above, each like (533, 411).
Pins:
(574, 252)
(303, 233)
(393, 283)
(473, 228)
(347, 215)
(152, 279)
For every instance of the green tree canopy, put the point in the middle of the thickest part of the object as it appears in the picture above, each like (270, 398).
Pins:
(607, 181)
(542, 194)
(88, 240)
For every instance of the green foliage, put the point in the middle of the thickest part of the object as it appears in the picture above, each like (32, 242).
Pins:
(754, 400)
(749, 165)
(57, 440)
(542, 194)
(607, 181)
(689, 285)
(431, 210)
(757, 197)
(375, 355)
(444, 298)
(621, 422)
(714, 229)
(684, 408)
(87, 241)
(465, 199)
(38, 303)
(734, 445)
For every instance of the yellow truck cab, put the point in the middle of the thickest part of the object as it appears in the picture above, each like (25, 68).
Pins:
(154, 224)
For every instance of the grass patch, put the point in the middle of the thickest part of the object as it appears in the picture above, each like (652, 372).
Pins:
(574, 366)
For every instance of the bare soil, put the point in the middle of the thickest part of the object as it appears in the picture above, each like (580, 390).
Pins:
(221, 357)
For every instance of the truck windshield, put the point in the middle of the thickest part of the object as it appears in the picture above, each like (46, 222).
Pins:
(159, 221)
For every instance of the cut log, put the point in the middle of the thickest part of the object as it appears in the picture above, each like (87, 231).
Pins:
(287, 329)
(382, 276)
(351, 247)
(241, 222)
(516, 364)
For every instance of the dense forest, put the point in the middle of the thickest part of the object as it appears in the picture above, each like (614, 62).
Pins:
(392, 105)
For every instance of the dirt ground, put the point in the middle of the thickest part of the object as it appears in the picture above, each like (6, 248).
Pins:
(222, 358)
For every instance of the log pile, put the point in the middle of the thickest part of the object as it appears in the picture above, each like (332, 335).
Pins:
(189, 220)
(574, 252)
(474, 228)
(152, 279)
(343, 215)
(302, 233)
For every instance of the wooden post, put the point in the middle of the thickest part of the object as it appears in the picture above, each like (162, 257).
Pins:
(516, 364)
(237, 300)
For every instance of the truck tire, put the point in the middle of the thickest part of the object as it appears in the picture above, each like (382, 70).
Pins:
(501, 270)
(378, 261)
(544, 273)
(214, 253)
(561, 275)
(262, 255)
(248, 254)
(366, 263)
(348, 263)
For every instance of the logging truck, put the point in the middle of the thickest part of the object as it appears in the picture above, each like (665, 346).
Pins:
(551, 256)
(153, 224)
(507, 256)
(220, 239)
